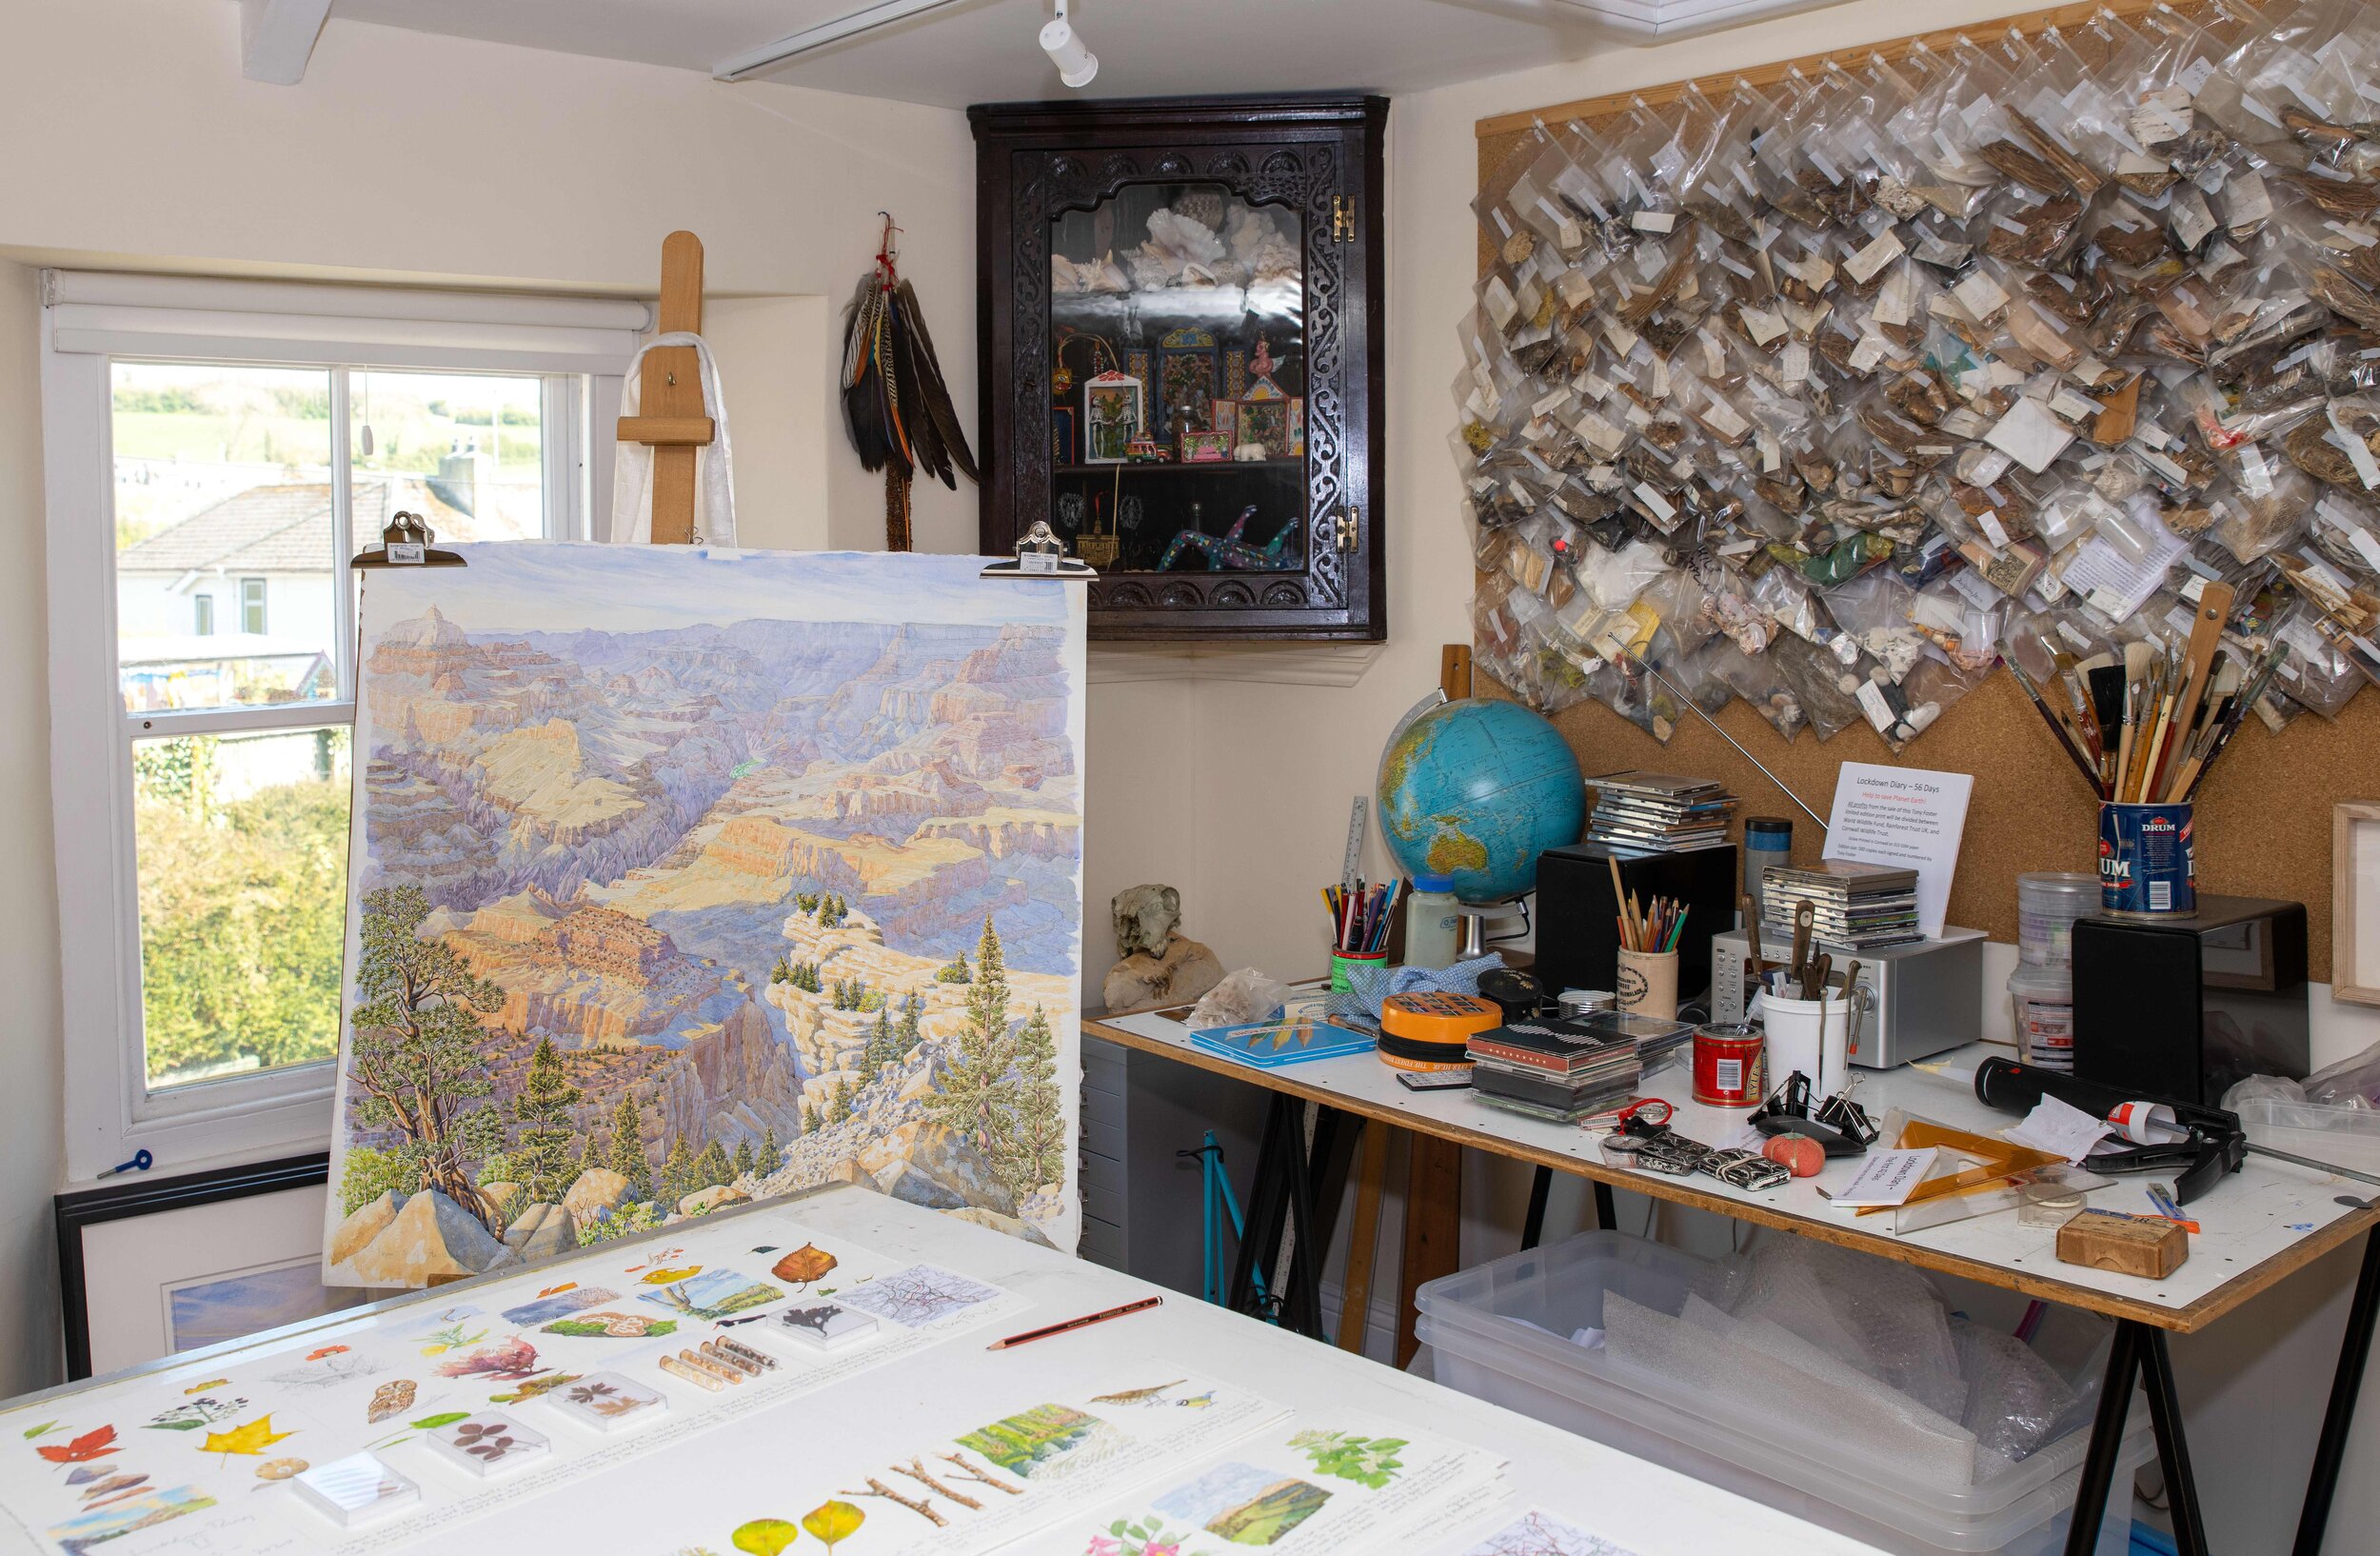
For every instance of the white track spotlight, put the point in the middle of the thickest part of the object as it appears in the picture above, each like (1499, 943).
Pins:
(1076, 64)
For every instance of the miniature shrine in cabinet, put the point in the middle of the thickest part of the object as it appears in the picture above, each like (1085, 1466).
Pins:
(1181, 343)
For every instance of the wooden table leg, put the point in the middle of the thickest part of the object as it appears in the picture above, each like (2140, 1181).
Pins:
(1363, 1237)
(1433, 1228)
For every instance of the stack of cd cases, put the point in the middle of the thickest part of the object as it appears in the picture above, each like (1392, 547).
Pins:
(1555, 1070)
(1654, 813)
(1857, 907)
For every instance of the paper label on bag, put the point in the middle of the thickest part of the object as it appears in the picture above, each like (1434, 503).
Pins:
(2195, 78)
(2245, 198)
(2367, 467)
(1897, 303)
(2030, 435)
(2191, 220)
(1988, 522)
(1980, 296)
(1772, 453)
(1724, 419)
(1654, 221)
(1662, 513)
(1873, 702)
(1498, 298)
(1762, 325)
(1793, 366)
(1885, 248)
(2073, 407)
(2255, 475)
(1867, 353)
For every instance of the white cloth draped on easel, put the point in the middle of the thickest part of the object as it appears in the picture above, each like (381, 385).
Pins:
(632, 473)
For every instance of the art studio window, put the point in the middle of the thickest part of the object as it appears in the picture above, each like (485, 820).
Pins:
(205, 884)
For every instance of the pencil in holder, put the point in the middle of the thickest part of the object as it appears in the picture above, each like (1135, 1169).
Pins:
(1648, 982)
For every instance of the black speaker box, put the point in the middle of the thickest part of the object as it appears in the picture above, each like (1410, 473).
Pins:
(2184, 1007)
(1577, 928)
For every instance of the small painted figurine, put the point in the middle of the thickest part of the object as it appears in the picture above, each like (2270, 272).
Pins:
(1231, 550)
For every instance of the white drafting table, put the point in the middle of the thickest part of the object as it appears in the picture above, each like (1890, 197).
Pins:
(1652, 1510)
(2258, 1226)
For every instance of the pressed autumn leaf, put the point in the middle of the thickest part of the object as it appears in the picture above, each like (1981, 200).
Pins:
(431, 1422)
(803, 1265)
(833, 1522)
(32, 1432)
(765, 1536)
(83, 1449)
(671, 1277)
(251, 1437)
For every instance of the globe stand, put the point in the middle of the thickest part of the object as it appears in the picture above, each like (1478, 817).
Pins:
(1474, 916)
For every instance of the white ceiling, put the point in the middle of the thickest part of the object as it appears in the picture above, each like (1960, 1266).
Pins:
(984, 50)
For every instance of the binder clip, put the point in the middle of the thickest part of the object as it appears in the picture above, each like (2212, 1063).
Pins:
(1040, 554)
(1838, 1125)
(405, 543)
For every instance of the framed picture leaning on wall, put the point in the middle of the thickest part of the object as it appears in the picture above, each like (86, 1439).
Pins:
(149, 1266)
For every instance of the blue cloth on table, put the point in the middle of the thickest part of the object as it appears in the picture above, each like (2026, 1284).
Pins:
(1367, 988)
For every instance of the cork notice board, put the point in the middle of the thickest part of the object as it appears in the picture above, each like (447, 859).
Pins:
(2264, 811)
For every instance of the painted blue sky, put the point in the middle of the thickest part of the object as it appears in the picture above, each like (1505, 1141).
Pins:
(571, 586)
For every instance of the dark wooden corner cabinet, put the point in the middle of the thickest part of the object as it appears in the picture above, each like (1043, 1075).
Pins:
(1180, 342)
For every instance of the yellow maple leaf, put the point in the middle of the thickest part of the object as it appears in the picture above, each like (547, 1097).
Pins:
(253, 1437)
(670, 1277)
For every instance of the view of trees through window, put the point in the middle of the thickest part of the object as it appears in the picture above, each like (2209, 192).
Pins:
(230, 564)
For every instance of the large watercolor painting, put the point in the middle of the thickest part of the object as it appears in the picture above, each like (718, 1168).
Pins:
(680, 877)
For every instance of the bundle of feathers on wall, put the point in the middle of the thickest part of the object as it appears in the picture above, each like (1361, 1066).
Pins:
(894, 404)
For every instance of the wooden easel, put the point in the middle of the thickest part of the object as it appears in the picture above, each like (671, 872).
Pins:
(671, 419)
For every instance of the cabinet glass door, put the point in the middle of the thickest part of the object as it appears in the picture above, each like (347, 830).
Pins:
(1177, 393)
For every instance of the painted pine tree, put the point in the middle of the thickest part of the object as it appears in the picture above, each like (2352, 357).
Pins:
(741, 1161)
(772, 1154)
(677, 1174)
(1034, 1146)
(416, 1059)
(627, 1156)
(976, 1092)
(712, 1167)
(541, 1153)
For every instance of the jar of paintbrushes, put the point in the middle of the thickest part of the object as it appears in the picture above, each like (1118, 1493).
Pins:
(2143, 728)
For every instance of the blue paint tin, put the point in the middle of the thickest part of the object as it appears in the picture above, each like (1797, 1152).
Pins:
(2148, 867)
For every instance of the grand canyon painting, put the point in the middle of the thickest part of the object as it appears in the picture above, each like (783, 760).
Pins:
(684, 877)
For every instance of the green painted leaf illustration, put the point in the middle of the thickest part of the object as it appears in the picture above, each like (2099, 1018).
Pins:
(431, 1422)
(32, 1432)
(833, 1522)
(765, 1536)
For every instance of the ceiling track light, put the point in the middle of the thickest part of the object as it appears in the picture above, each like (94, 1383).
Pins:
(1076, 64)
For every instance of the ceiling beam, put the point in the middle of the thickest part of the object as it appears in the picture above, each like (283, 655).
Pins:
(868, 18)
(277, 38)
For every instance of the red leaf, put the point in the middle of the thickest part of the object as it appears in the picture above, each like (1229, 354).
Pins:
(91, 1445)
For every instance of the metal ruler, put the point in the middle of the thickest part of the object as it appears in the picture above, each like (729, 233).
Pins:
(1354, 866)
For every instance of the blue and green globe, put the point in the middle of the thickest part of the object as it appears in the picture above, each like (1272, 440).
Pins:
(1476, 791)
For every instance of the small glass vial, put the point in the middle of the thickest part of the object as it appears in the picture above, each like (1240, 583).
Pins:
(1433, 923)
(1768, 841)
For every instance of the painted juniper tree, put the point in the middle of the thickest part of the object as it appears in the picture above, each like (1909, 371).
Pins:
(417, 1063)
(976, 1091)
(1032, 1149)
(541, 1153)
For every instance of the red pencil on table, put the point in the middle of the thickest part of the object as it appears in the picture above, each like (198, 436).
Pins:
(1083, 1323)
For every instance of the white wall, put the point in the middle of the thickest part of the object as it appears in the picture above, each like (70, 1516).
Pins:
(409, 157)
(30, 1054)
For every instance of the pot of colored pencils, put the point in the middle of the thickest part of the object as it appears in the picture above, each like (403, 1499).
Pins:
(1359, 917)
(1647, 981)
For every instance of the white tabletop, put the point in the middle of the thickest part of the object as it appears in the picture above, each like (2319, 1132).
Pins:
(1650, 1510)
(2256, 1226)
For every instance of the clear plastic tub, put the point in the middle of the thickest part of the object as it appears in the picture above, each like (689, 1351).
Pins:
(1496, 1333)
(2348, 1136)
(2047, 903)
(2042, 1013)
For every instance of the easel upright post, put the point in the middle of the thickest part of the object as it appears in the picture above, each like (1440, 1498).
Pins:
(671, 418)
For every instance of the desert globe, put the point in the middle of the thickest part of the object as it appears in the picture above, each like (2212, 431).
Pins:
(1476, 791)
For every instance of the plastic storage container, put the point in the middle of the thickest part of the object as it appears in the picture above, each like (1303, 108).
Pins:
(2047, 903)
(2042, 1012)
(1496, 1333)
(2348, 1136)
(1433, 923)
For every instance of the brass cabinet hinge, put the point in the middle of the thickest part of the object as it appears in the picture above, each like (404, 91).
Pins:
(1347, 529)
(1343, 217)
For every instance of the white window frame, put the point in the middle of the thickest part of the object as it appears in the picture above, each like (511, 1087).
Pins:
(263, 595)
(578, 346)
(202, 614)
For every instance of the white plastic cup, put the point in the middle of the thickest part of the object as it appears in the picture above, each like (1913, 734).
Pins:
(1812, 1036)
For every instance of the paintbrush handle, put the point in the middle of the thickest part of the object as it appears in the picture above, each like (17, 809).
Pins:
(2206, 636)
(2067, 742)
